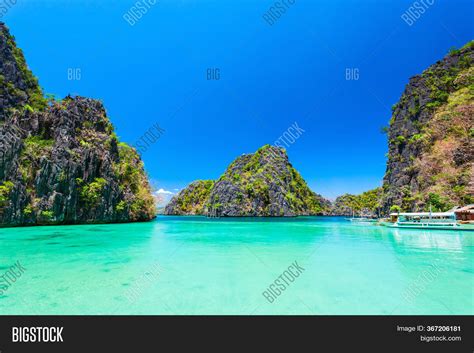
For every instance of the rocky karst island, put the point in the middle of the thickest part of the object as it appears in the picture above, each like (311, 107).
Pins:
(60, 160)
(263, 183)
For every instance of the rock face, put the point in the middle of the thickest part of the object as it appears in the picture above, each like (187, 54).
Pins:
(60, 161)
(431, 134)
(367, 204)
(191, 200)
(18, 86)
(260, 184)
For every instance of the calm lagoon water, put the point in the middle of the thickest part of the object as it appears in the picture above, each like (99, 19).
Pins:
(194, 265)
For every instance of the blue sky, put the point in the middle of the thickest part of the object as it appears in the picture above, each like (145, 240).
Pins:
(270, 76)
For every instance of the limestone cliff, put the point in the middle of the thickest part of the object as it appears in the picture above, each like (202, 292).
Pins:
(431, 134)
(60, 161)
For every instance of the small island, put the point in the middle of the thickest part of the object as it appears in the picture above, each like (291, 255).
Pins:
(260, 184)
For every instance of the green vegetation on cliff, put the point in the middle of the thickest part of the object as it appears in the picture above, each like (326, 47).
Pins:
(192, 200)
(431, 149)
(18, 85)
(129, 171)
(445, 169)
(61, 161)
(367, 203)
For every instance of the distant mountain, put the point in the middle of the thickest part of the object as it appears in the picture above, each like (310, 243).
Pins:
(60, 161)
(192, 200)
(365, 204)
(260, 184)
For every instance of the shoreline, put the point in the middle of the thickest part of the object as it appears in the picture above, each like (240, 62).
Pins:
(73, 224)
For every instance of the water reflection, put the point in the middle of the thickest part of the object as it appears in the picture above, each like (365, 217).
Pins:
(424, 239)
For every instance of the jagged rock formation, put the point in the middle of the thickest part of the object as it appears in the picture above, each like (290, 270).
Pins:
(260, 184)
(431, 134)
(60, 161)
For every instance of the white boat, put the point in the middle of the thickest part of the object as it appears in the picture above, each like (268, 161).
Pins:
(426, 220)
(363, 220)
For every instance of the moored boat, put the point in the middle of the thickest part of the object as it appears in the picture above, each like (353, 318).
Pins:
(426, 220)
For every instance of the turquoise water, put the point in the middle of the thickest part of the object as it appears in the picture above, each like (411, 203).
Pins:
(192, 265)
